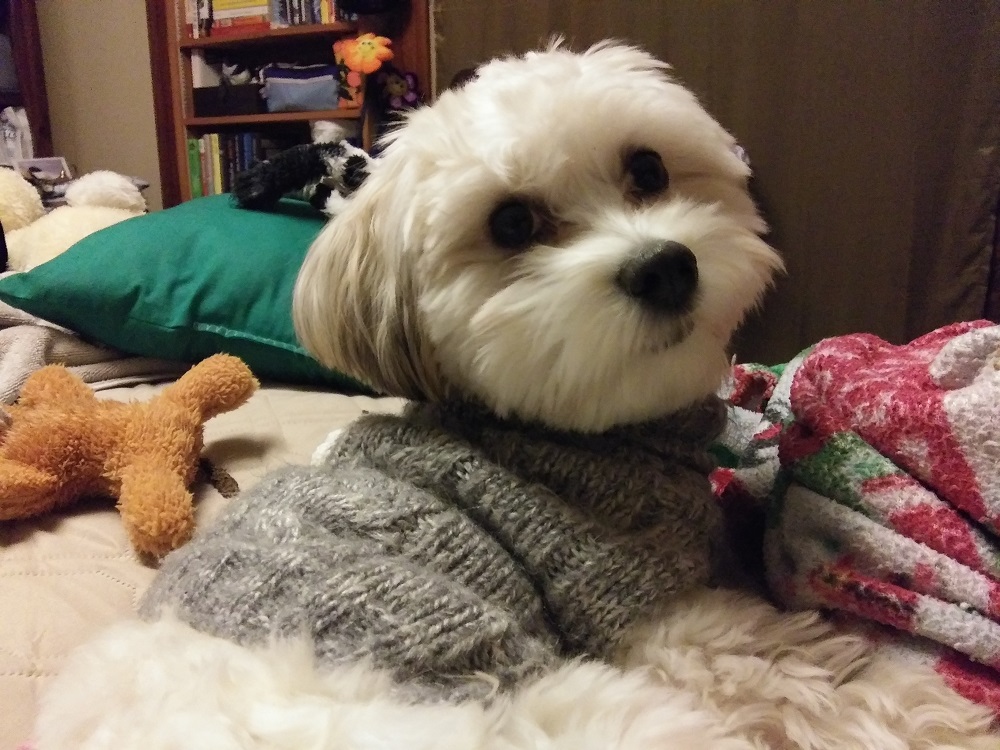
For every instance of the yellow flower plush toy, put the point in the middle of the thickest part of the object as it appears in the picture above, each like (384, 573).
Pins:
(364, 54)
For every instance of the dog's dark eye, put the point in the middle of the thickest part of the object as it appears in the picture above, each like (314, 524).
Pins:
(513, 224)
(646, 172)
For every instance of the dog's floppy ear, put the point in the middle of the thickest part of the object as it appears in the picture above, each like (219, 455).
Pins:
(462, 77)
(354, 306)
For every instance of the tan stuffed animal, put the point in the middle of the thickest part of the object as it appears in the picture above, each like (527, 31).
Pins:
(62, 444)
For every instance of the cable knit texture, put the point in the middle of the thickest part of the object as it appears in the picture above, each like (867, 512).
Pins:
(445, 542)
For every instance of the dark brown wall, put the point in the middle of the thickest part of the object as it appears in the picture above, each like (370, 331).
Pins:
(873, 128)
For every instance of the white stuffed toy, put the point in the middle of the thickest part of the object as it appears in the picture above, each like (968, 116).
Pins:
(93, 202)
(20, 203)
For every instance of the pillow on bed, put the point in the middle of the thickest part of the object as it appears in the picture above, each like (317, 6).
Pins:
(183, 283)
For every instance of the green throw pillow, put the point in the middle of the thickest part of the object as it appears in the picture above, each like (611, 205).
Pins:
(184, 283)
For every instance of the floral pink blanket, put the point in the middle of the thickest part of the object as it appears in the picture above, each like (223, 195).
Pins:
(877, 469)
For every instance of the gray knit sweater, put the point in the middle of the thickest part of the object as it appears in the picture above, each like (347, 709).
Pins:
(446, 542)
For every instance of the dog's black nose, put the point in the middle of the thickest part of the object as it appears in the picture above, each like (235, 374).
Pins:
(662, 276)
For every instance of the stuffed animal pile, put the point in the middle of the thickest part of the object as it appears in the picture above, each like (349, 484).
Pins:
(93, 202)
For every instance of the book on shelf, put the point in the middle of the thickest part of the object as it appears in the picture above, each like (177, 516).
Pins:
(283, 13)
(239, 16)
(190, 17)
(247, 151)
(278, 13)
(241, 26)
(220, 18)
(197, 17)
(207, 181)
(237, 8)
(194, 166)
(214, 159)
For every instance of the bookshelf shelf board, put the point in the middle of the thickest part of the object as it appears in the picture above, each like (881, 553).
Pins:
(268, 36)
(272, 117)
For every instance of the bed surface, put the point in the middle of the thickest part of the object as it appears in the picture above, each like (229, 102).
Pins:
(67, 575)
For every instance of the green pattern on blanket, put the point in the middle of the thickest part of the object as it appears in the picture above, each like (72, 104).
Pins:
(877, 469)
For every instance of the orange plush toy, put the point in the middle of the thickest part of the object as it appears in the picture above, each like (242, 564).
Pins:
(61, 444)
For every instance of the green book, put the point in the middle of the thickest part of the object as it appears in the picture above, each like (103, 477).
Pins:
(194, 167)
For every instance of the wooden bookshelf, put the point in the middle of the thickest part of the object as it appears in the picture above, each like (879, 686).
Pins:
(268, 37)
(266, 118)
(172, 48)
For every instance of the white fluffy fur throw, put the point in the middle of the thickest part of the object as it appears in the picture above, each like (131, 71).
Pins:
(723, 672)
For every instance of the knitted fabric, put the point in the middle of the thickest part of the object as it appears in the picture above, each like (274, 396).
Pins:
(880, 469)
(446, 542)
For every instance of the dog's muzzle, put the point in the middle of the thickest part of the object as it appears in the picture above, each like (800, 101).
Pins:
(662, 276)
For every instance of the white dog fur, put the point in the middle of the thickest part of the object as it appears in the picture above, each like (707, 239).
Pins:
(411, 290)
(406, 288)
(720, 671)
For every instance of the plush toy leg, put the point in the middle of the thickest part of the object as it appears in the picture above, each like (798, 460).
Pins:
(156, 508)
(53, 384)
(213, 386)
(25, 491)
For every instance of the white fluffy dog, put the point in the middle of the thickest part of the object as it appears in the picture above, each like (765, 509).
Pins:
(568, 240)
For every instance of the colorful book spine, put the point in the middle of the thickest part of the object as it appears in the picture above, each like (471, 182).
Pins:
(239, 16)
(194, 167)
(279, 14)
(230, 162)
(242, 25)
(223, 166)
(239, 7)
(247, 151)
(207, 183)
(213, 140)
(191, 18)
(215, 159)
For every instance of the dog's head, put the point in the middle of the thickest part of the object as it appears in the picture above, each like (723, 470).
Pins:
(567, 238)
